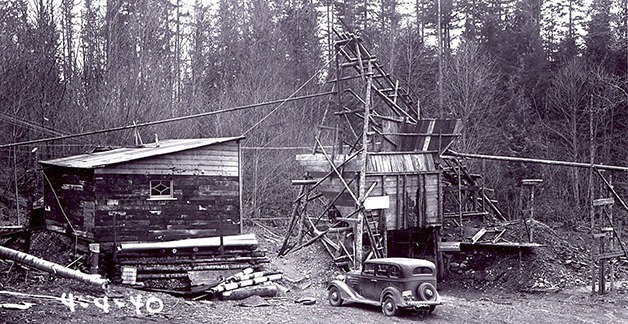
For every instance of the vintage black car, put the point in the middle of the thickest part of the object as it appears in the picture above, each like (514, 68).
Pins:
(392, 283)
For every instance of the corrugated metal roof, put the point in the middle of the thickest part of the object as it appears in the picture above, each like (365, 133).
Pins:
(126, 154)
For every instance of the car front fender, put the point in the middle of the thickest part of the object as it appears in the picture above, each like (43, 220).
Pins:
(345, 291)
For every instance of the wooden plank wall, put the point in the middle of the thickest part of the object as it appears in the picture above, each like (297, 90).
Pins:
(204, 206)
(217, 160)
(414, 199)
(75, 191)
(410, 180)
(206, 192)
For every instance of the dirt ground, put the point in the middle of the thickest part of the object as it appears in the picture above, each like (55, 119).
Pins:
(497, 294)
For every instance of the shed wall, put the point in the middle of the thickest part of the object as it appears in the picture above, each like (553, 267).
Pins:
(72, 189)
(202, 206)
(113, 203)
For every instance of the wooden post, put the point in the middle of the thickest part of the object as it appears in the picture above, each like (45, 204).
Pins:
(94, 255)
(602, 264)
(591, 196)
(222, 240)
(459, 166)
(362, 184)
(531, 227)
(340, 92)
(437, 253)
(612, 238)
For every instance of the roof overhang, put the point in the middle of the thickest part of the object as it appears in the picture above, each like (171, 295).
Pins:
(127, 154)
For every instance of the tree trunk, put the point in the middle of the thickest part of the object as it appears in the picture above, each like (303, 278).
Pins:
(245, 292)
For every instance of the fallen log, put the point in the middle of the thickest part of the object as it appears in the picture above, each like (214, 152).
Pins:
(226, 286)
(245, 292)
(51, 267)
(242, 277)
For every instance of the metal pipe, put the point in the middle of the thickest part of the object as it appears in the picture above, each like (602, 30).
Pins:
(452, 154)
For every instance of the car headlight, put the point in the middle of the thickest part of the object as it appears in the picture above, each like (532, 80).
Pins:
(340, 277)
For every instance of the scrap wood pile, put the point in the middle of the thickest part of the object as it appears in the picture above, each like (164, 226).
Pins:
(243, 284)
(174, 259)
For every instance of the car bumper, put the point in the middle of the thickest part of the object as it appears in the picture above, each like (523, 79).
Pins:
(421, 303)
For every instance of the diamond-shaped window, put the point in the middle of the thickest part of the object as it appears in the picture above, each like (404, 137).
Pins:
(161, 188)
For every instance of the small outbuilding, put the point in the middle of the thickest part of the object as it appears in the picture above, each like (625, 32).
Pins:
(170, 190)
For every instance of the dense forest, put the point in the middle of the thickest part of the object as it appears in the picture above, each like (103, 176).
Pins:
(528, 78)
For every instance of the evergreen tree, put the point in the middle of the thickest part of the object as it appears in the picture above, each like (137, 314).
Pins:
(599, 39)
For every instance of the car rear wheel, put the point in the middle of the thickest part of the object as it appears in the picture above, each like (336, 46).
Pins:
(427, 292)
(334, 296)
(389, 307)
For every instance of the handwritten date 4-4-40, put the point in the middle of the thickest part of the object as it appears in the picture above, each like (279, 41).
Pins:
(152, 305)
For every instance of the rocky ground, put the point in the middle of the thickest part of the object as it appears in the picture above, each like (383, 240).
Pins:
(549, 285)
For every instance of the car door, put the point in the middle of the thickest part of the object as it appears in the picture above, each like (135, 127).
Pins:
(378, 282)
(367, 279)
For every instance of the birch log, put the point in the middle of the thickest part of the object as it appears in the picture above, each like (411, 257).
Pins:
(245, 292)
(51, 267)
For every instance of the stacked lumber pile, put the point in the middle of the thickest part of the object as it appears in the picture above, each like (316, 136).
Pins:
(174, 259)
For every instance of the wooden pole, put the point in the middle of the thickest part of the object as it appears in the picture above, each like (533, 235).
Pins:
(94, 254)
(362, 184)
(51, 267)
(591, 197)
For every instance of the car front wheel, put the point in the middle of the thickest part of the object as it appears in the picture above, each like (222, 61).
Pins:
(334, 296)
(389, 307)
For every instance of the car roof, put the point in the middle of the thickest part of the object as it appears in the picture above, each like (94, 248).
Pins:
(408, 262)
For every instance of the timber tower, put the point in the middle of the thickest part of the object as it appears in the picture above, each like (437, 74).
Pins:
(373, 173)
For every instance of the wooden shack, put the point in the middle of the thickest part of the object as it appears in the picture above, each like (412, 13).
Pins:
(173, 189)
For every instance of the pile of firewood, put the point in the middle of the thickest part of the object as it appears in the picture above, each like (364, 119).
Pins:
(245, 284)
(174, 259)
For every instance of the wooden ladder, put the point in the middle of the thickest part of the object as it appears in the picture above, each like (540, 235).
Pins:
(371, 223)
(355, 56)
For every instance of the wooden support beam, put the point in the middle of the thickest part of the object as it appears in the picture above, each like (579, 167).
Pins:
(335, 170)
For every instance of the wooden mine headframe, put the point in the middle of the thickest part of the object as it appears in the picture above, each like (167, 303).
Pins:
(373, 167)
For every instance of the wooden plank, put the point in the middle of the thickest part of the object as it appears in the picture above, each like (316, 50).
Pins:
(207, 173)
(610, 255)
(478, 235)
(301, 182)
(603, 201)
(180, 164)
(234, 240)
